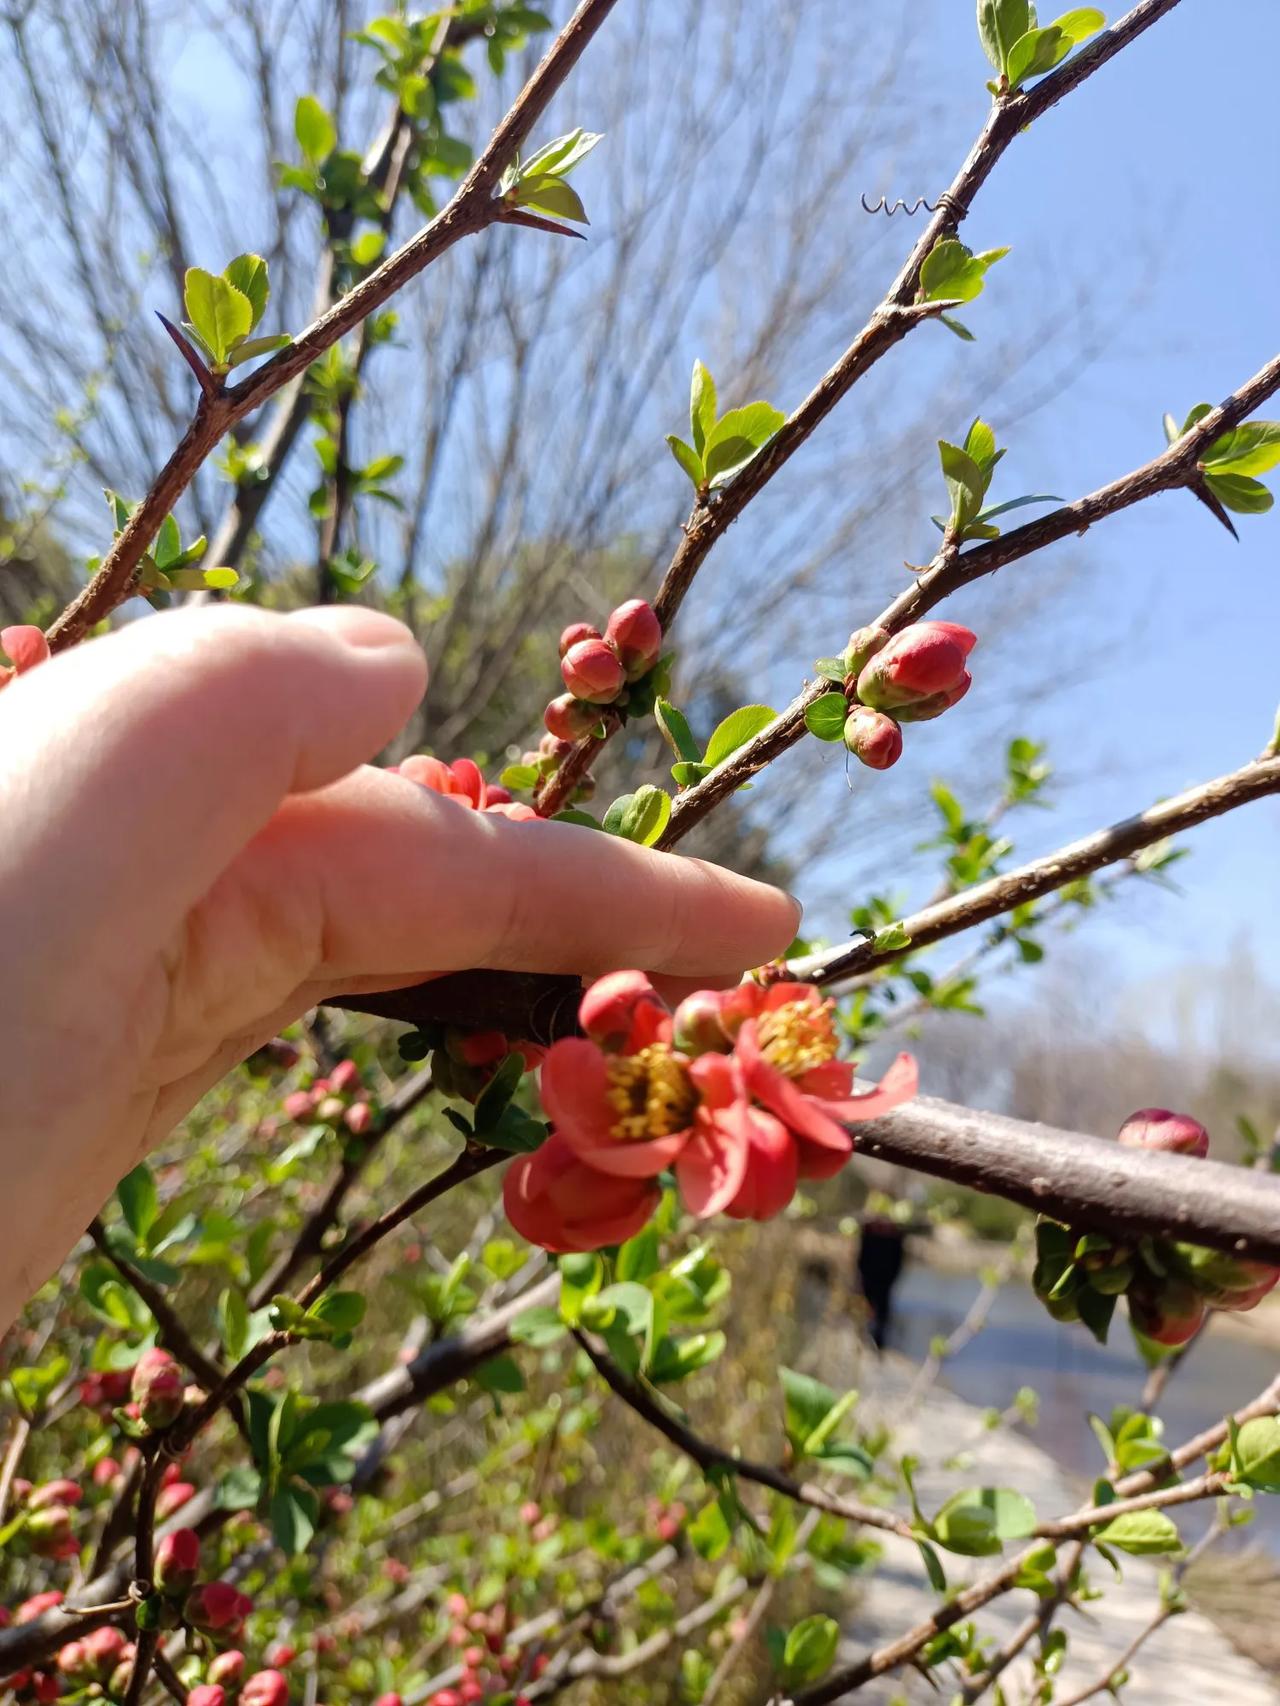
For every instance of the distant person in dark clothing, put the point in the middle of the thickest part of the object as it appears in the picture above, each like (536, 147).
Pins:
(880, 1258)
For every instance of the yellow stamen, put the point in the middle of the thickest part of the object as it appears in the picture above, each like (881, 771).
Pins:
(652, 1092)
(797, 1037)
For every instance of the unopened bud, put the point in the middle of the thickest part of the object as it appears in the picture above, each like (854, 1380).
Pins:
(218, 1608)
(496, 795)
(592, 672)
(636, 635)
(265, 1688)
(344, 1078)
(228, 1668)
(1161, 1128)
(330, 1110)
(60, 1492)
(298, 1105)
(1168, 1313)
(207, 1694)
(575, 633)
(171, 1499)
(873, 738)
(569, 718)
(553, 746)
(24, 645)
(922, 662)
(177, 1561)
(699, 1024)
(863, 645)
(925, 710)
(157, 1388)
(609, 1009)
(358, 1118)
(1226, 1282)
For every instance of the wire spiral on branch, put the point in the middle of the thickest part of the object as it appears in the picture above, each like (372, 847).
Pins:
(883, 205)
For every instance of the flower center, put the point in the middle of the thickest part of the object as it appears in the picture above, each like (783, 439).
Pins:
(652, 1092)
(797, 1037)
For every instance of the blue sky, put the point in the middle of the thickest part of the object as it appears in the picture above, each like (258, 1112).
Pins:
(1150, 188)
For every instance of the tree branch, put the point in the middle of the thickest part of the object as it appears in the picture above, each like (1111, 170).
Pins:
(713, 515)
(471, 210)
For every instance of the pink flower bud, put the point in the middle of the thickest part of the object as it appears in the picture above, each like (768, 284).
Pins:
(228, 1668)
(25, 646)
(37, 1605)
(358, 1118)
(924, 710)
(330, 1110)
(699, 1024)
(281, 1654)
(496, 795)
(48, 1529)
(63, 1492)
(207, 1694)
(73, 1662)
(104, 1649)
(177, 1561)
(873, 738)
(105, 1471)
(608, 1009)
(575, 633)
(551, 746)
(344, 1078)
(1160, 1128)
(592, 671)
(922, 661)
(389, 1700)
(218, 1608)
(530, 1512)
(157, 1388)
(568, 718)
(171, 1499)
(297, 1105)
(445, 1697)
(265, 1688)
(1169, 1315)
(457, 1605)
(636, 635)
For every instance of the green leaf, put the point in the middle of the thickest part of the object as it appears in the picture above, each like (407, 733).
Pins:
(687, 774)
(831, 669)
(737, 436)
(966, 483)
(314, 130)
(825, 717)
(1250, 449)
(259, 346)
(1239, 493)
(952, 272)
(675, 1359)
(220, 313)
(1141, 1533)
(953, 325)
(1035, 53)
(550, 195)
(1018, 503)
(248, 274)
(980, 444)
(221, 580)
(519, 777)
(810, 1648)
(689, 460)
(639, 817)
(933, 1566)
(367, 247)
(638, 1257)
(340, 1311)
(675, 730)
(1257, 1453)
(806, 1404)
(1000, 23)
(1080, 23)
(233, 1322)
(709, 1533)
(562, 155)
(239, 1489)
(493, 1099)
(966, 1528)
(538, 1327)
(139, 1201)
(736, 730)
(294, 1511)
(1096, 1308)
(702, 406)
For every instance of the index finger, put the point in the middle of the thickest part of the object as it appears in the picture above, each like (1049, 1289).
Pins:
(409, 882)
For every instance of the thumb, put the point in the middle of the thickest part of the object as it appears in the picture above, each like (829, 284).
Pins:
(136, 766)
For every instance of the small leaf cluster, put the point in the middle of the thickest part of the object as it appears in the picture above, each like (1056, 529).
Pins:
(300, 1446)
(729, 734)
(539, 183)
(224, 309)
(721, 446)
(973, 1523)
(968, 470)
(1020, 48)
(952, 272)
(169, 565)
(1228, 468)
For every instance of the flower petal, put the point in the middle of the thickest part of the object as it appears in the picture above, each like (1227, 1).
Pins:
(712, 1166)
(574, 1087)
(897, 1085)
(804, 1117)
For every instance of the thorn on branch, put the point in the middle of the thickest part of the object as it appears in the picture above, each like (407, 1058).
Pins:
(535, 222)
(208, 384)
(1210, 501)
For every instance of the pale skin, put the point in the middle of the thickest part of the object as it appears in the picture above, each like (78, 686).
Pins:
(193, 851)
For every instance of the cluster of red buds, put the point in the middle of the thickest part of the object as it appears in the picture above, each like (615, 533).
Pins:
(616, 670)
(910, 677)
(48, 1516)
(1169, 1286)
(340, 1099)
(227, 1683)
(463, 1062)
(739, 1093)
(489, 1664)
(25, 647)
(97, 1662)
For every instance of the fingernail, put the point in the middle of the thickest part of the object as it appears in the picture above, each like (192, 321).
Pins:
(365, 630)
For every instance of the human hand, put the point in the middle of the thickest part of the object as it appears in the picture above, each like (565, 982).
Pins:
(194, 853)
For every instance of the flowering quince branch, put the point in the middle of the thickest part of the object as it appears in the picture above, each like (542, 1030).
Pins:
(904, 1649)
(714, 512)
(471, 210)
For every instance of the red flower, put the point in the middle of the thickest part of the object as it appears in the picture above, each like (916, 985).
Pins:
(555, 1200)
